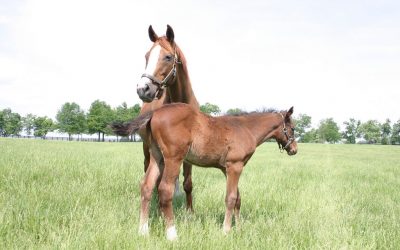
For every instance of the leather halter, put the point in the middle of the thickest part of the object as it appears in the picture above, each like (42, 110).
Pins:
(161, 85)
(289, 138)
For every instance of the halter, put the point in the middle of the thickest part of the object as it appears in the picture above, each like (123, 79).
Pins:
(161, 85)
(290, 138)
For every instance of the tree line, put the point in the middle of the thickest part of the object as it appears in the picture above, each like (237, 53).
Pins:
(73, 120)
(70, 119)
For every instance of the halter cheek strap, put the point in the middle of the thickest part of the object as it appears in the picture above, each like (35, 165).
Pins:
(162, 84)
(172, 73)
(290, 139)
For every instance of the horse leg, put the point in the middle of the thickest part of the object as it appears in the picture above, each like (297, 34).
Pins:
(146, 153)
(187, 185)
(165, 194)
(146, 189)
(233, 171)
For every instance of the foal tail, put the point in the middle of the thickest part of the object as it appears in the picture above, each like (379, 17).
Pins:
(128, 128)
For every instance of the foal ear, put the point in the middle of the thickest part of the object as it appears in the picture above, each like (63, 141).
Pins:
(289, 112)
(170, 34)
(153, 36)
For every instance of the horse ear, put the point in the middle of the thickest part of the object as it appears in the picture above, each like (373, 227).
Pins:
(290, 112)
(170, 34)
(153, 36)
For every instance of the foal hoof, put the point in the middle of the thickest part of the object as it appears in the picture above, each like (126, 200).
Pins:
(144, 230)
(172, 235)
(226, 230)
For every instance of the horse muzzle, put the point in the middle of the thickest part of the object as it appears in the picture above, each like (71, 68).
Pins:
(146, 91)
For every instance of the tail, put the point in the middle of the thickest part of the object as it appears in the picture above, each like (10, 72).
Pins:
(128, 128)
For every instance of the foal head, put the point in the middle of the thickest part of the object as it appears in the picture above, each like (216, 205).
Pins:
(285, 135)
(161, 66)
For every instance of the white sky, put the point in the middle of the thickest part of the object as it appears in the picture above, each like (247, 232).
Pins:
(337, 59)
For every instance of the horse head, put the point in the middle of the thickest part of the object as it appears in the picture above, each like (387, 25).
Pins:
(285, 135)
(161, 66)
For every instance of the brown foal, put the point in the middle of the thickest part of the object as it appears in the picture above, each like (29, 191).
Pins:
(178, 132)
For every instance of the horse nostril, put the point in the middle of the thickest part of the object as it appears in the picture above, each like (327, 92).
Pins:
(146, 88)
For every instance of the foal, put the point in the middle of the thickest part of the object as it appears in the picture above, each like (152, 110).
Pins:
(178, 132)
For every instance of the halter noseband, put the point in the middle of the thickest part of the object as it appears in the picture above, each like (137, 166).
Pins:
(290, 138)
(161, 85)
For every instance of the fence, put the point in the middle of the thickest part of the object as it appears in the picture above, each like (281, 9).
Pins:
(79, 138)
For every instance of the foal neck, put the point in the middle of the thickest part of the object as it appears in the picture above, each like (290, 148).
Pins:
(264, 126)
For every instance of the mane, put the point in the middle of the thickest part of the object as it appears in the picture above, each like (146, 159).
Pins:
(256, 112)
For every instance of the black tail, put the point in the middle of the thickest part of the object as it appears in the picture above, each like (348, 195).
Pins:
(128, 128)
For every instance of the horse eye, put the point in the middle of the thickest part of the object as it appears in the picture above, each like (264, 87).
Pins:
(168, 57)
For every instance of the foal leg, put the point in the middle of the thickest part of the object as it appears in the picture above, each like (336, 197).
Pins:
(237, 208)
(233, 171)
(187, 185)
(165, 194)
(146, 189)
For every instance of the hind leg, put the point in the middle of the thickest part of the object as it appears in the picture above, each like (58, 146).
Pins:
(165, 194)
(146, 189)
(187, 185)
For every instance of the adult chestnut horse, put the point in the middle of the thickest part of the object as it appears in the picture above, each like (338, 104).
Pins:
(179, 132)
(166, 80)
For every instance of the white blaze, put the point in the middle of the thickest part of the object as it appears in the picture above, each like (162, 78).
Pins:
(151, 65)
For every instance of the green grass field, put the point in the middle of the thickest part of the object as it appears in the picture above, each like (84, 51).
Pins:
(79, 195)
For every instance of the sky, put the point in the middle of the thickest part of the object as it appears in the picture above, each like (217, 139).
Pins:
(329, 59)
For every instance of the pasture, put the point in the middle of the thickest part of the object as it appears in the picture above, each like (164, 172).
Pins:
(80, 195)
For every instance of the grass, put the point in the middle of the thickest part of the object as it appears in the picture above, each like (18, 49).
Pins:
(75, 195)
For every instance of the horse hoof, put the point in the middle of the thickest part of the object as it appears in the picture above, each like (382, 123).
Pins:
(172, 235)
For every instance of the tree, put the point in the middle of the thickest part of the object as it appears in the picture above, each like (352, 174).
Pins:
(310, 136)
(71, 119)
(371, 131)
(27, 123)
(10, 123)
(99, 117)
(303, 122)
(42, 125)
(2, 122)
(234, 111)
(386, 129)
(124, 114)
(351, 131)
(395, 138)
(210, 109)
(328, 131)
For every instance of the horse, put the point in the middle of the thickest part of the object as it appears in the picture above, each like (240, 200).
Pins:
(166, 80)
(180, 133)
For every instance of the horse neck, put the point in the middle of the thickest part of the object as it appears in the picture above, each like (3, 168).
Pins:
(263, 126)
(181, 89)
